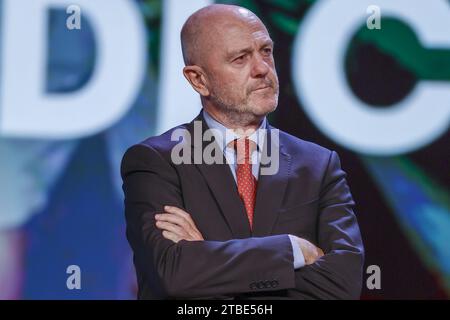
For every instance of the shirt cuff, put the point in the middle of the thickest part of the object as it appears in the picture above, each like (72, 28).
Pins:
(299, 259)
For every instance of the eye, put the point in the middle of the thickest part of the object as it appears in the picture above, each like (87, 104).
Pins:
(267, 51)
(240, 59)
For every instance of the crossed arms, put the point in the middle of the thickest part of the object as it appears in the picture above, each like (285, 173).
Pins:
(189, 266)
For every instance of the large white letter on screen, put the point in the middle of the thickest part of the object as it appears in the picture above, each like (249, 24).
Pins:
(321, 85)
(26, 110)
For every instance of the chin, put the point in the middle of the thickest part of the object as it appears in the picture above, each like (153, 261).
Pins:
(264, 107)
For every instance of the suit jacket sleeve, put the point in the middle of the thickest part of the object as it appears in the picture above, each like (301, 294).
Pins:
(193, 268)
(338, 274)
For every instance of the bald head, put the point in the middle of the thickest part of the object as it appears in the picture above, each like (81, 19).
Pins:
(229, 61)
(203, 27)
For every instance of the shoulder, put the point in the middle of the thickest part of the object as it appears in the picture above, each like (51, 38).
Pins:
(153, 151)
(308, 150)
(310, 156)
(164, 142)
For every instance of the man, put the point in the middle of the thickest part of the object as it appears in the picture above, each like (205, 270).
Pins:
(225, 229)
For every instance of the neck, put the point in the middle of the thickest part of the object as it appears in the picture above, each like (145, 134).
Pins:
(240, 122)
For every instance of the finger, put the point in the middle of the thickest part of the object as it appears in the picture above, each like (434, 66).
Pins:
(185, 221)
(171, 227)
(170, 236)
(191, 221)
(176, 211)
(321, 254)
(179, 225)
(173, 218)
(181, 213)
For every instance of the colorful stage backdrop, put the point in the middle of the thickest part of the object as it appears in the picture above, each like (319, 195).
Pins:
(81, 81)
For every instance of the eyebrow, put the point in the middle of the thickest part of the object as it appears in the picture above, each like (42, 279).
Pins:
(235, 53)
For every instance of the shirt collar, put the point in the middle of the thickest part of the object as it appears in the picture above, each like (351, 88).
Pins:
(228, 135)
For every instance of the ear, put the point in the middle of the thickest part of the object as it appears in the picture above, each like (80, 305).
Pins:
(197, 79)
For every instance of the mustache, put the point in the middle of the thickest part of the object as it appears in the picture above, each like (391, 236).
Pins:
(265, 83)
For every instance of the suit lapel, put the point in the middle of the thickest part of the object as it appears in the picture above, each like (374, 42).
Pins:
(222, 185)
(271, 188)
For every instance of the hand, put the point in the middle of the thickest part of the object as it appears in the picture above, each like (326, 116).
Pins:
(310, 251)
(177, 225)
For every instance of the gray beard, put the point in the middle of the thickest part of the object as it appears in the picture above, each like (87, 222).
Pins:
(237, 116)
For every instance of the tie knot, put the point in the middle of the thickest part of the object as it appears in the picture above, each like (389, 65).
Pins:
(244, 148)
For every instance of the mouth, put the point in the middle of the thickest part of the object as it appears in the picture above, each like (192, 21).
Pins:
(263, 88)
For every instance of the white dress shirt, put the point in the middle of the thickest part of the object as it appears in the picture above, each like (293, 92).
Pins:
(222, 133)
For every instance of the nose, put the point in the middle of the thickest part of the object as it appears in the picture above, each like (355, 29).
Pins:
(260, 68)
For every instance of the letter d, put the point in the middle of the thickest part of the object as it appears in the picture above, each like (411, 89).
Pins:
(26, 110)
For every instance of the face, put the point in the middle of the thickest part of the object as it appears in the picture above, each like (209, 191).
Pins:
(241, 69)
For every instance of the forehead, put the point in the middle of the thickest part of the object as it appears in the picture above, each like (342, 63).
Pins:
(239, 35)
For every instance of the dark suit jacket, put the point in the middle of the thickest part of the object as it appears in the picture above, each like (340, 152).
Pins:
(308, 197)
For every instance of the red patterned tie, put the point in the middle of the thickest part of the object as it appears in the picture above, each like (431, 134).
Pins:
(246, 182)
